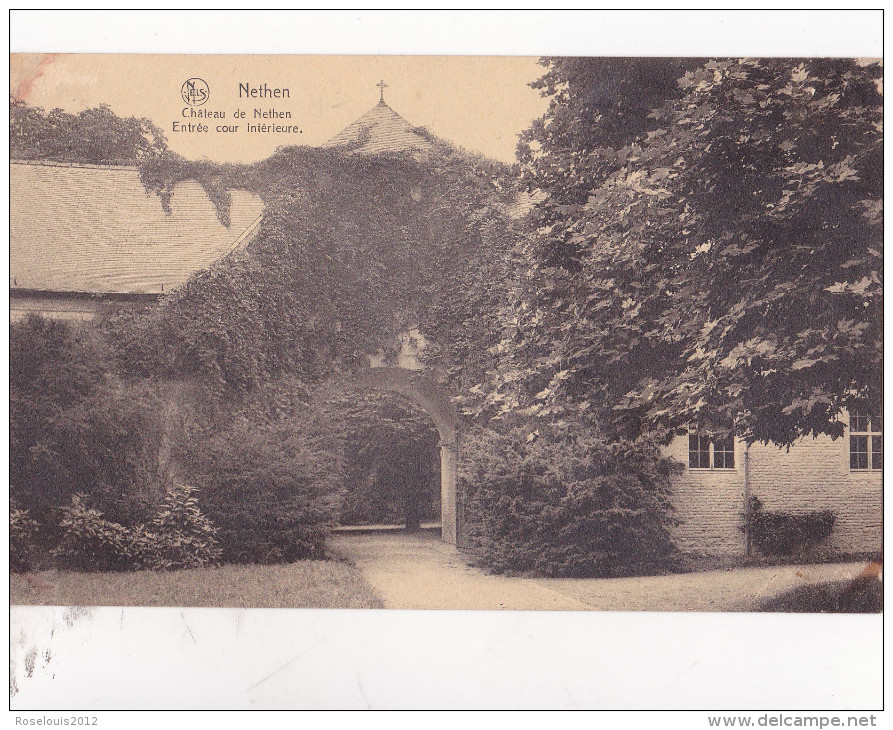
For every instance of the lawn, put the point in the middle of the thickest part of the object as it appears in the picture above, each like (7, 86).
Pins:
(304, 584)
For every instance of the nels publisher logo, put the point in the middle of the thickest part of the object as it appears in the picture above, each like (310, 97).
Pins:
(195, 92)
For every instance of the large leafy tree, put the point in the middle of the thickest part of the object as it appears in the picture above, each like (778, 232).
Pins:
(719, 264)
(96, 135)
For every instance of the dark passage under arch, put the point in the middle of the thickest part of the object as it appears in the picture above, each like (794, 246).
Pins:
(436, 401)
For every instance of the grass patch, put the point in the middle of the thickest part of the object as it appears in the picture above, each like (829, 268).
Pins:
(303, 584)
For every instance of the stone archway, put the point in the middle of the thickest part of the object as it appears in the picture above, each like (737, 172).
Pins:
(436, 401)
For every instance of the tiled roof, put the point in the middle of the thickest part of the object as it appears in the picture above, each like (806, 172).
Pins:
(94, 228)
(525, 202)
(380, 129)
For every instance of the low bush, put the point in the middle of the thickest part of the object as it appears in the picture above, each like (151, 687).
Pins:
(830, 597)
(22, 531)
(786, 533)
(566, 505)
(92, 543)
(178, 536)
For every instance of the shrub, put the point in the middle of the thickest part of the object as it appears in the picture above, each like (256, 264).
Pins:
(179, 535)
(785, 533)
(92, 543)
(22, 530)
(272, 490)
(76, 428)
(568, 505)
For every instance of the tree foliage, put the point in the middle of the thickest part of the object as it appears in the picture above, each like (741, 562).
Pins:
(76, 427)
(97, 135)
(722, 266)
(392, 460)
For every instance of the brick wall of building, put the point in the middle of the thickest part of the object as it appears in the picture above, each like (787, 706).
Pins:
(709, 505)
(813, 475)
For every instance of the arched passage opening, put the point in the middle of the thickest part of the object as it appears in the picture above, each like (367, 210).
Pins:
(436, 402)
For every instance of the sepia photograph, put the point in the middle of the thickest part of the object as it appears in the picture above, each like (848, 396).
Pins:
(560, 333)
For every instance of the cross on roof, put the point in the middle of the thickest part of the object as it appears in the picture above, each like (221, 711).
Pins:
(381, 87)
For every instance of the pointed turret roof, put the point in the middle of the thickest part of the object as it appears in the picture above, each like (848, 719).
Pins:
(379, 130)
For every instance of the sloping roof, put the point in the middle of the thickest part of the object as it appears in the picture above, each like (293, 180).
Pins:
(380, 129)
(525, 202)
(94, 228)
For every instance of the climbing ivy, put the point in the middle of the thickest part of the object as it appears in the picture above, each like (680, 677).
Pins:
(352, 249)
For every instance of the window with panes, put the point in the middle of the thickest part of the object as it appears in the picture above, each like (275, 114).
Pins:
(706, 452)
(866, 442)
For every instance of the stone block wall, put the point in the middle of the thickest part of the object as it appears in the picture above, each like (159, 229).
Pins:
(814, 474)
(709, 505)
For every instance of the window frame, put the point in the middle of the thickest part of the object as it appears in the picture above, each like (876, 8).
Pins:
(871, 436)
(711, 450)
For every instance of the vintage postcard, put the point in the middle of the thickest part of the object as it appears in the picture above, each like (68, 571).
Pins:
(563, 333)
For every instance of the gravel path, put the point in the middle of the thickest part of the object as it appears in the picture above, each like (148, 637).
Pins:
(419, 571)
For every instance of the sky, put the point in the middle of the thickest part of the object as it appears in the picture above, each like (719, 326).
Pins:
(478, 102)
